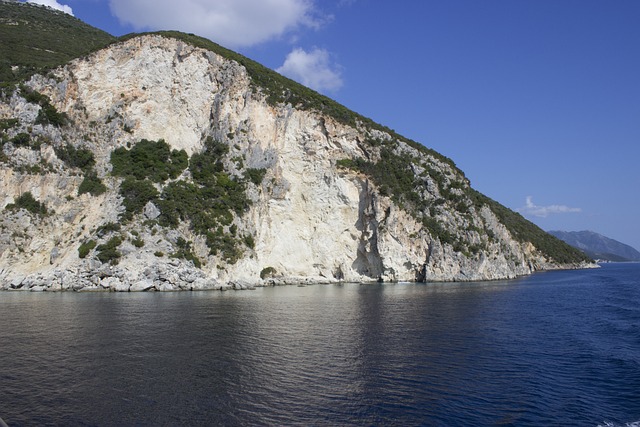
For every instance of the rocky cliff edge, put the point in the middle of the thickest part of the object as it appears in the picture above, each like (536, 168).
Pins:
(251, 192)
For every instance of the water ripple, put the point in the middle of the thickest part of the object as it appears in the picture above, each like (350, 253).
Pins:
(554, 349)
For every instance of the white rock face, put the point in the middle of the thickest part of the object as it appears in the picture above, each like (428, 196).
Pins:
(311, 221)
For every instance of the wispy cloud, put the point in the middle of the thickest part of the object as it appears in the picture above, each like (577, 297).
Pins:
(313, 69)
(232, 23)
(54, 4)
(544, 211)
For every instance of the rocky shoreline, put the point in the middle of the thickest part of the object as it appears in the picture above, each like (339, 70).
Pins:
(173, 276)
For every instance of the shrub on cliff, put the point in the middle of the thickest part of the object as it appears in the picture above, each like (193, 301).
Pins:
(205, 208)
(255, 175)
(107, 228)
(91, 184)
(149, 159)
(184, 252)
(48, 113)
(28, 202)
(85, 248)
(21, 140)
(73, 157)
(393, 175)
(136, 194)
(205, 165)
(108, 252)
(207, 203)
(6, 124)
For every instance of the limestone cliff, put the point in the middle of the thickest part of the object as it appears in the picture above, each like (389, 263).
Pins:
(313, 203)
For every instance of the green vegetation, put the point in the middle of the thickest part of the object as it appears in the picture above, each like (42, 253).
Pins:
(85, 248)
(394, 175)
(149, 159)
(438, 231)
(73, 157)
(137, 242)
(280, 89)
(21, 140)
(207, 203)
(107, 228)
(525, 231)
(204, 166)
(84, 160)
(35, 38)
(24, 139)
(48, 113)
(249, 241)
(395, 178)
(28, 202)
(6, 124)
(221, 243)
(92, 184)
(184, 252)
(255, 175)
(136, 193)
(108, 252)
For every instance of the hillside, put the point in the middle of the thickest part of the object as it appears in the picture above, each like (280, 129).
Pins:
(165, 161)
(598, 246)
(33, 37)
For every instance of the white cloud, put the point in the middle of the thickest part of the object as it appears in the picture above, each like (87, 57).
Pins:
(543, 211)
(231, 23)
(54, 4)
(313, 69)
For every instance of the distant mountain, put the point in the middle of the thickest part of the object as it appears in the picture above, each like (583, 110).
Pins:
(598, 246)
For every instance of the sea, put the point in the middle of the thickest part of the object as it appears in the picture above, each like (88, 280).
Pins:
(558, 348)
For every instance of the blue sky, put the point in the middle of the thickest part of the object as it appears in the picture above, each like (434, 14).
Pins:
(537, 101)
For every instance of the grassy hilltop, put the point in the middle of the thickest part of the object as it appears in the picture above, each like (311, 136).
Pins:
(33, 37)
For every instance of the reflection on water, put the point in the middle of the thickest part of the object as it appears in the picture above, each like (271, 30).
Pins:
(556, 348)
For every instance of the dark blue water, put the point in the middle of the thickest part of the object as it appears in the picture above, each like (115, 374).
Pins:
(558, 348)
